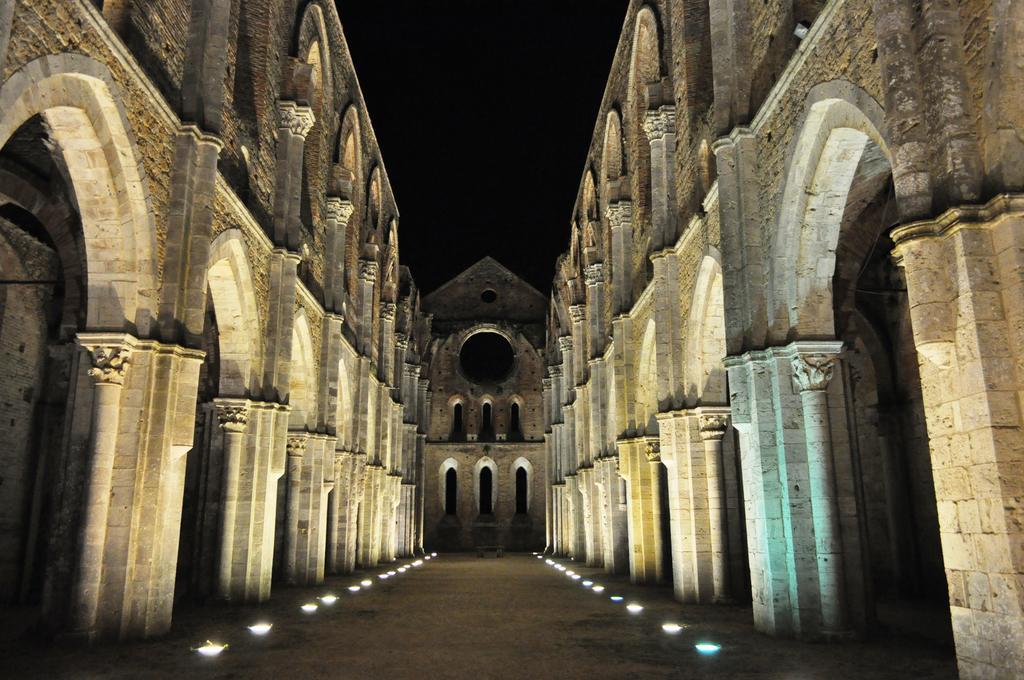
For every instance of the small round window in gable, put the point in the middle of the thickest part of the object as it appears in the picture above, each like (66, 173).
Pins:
(488, 296)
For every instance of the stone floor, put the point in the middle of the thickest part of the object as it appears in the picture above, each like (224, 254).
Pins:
(463, 617)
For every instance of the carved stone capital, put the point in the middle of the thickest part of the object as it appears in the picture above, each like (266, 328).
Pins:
(339, 209)
(387, 311)
(565, 343)
(295, 118)
(233, 416)
(296, 445)
(546, 382)
(813, 372)
(660, 122)
(594, 274)
(368, 270)
(652, 449)
(555, 371)
(578, 313)
(713, 425)
(619, 214)
(109, 360)
(401, 340)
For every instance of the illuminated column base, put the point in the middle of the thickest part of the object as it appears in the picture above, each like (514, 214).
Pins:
(614, 518)
(591, 518)
(639, 460)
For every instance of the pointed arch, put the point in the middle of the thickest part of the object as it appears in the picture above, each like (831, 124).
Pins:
(485, 463)
(302, 380)
(79, 100)
(230, 286)
(522, 463)
(825, 156)
(703, 371)
(646, 382)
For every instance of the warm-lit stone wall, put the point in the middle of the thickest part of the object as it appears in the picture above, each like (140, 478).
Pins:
(486, 421)
(781, 347)
(210, 354)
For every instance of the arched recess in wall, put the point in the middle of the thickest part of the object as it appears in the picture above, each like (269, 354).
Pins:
(832, 278)
(487, 429)
(521, 472)
(344, 414)
(515, 418)
(302, 381)
(457, 409)
(704, 373)
(824, 162)
(80, 103)
(448, 487)
(349, 182)
(485, 463)
(312, 48)
(231, 294)
(644, 70)
(646, 407)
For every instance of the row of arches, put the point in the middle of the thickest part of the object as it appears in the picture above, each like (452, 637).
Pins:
(485, 475)
(485, 428)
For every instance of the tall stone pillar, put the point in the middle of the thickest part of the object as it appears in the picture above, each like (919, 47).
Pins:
(713, 427)
(660, 128)
(296, 451)
(233, 415)
(339, 212)
(668, 329)
(812, 373)
(110, 356)
(367, 280)
(800, 490)
(964, 274)
(620, 217)
(614, 518)
(294, 123)
(593, 276)
(640, 460)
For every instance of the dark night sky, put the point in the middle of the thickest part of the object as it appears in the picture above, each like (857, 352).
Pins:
(484, 111)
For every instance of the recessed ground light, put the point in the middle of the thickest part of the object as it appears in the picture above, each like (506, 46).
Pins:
(366, 583)
(417, 563)
(309, 607)
(211, 648)
(354, 589)
(392, 573)
(587, 584)
(570, 572)
(383, 577)
(634, 608)
(329, 599)
(598, 589)
(427, 557)
(549, 561)
(433, 554)
(671, 628)
(707, 647)
(402, 570)
(260, 628)
(616, 598)
(575, 577)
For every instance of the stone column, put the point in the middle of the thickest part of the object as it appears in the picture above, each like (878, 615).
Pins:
(668, 329)
(620, 217)
(641, 456)
(294, 123)
(296, 451)
(593, 275)
(339, 212)
(712, 430)
(367, 280)
(233, 415)
(812, 373)
(660, 126)
(964, 274)
(110, 356)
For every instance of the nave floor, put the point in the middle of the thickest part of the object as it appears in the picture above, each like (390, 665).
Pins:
(459, 616)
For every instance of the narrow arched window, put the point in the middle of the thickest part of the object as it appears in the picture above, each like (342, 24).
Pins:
(487, 422)
(522, 481)
(450, 491)
(486, 490)
(514, 427)
(458, 428)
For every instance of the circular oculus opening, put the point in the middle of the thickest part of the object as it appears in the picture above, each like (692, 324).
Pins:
(487, 357)
(488, 296)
